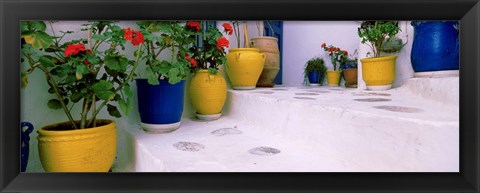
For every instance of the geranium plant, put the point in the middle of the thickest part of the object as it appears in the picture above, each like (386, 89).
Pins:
(375, 33)
(174, 36)
(85, 70)
(211, 54)
(337, 55)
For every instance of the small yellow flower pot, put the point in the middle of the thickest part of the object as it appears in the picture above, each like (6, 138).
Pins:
(333, 77)
(62, 149)
(379, 73)
(208, 93)
(244, 66)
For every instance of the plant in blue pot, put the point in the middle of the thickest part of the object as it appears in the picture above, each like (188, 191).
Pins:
(314, 72)
(161, 93)
(435, 49)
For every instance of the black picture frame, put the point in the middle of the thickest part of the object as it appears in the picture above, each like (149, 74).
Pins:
(467, 11)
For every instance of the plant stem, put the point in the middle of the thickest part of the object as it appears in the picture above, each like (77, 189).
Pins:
(130, 76)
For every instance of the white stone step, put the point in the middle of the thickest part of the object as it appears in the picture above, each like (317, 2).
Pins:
(444, 90)
(315, 129)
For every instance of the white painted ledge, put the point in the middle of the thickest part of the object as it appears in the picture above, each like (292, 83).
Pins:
(316, 129)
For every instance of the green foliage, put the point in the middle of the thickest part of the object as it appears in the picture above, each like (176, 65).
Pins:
(79, 74)
(161, 36)
(375, 33)
(315, 64)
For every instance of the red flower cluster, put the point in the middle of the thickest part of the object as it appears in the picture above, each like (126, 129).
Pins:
(193, 25)
(135, 36)
(324, 45)
(345, 51)
(74, 49)
(191, 60)
(222, 42)
(228, 28)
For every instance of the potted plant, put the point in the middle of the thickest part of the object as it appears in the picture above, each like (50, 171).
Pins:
(161, 93)
(244, 65)
(208, 89)
(435, 49)
(314, 72)
(350, 72)
(338, 57)
(378, 71)
(88, 70)
(268, 46)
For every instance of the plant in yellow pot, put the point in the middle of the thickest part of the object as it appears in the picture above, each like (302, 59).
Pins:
(338, 57)
(88, 70)
(378, 71)
(208, 88)
(244, 65)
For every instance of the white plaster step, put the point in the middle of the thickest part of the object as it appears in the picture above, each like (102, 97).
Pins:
(444, 89)
(224, 145)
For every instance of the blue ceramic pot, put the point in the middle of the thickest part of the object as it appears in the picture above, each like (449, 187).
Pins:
(435, 46)
(160, 104)
(314, 77)
(25, 136)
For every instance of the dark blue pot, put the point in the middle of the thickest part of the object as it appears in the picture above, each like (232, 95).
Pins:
(314, 77)
(25, 136)
(160, 104)
(435, 46)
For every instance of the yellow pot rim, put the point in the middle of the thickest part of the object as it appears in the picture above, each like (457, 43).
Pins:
(44, 132)
(377, 59)
(244, 49)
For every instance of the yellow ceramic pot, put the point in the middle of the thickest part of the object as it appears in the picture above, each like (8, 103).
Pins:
(244, 66)
(208, 92)
(379, 73)
(333, 77)
(82, 150)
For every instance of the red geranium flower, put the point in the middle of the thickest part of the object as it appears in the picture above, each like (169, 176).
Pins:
(128, 34)
(222, 42)
(323, 45)
(193, 25)
(338, 49)
(228, 28)
(191, 60)
(138, 38)
(345, 51)
(74, 49)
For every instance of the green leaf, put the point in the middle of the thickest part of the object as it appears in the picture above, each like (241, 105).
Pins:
(152, 78)
(46, 61)
(24, 79)
(126, 107)
(93, 59)
(113, 111)
(173, 77)
(103, 90)
(54, 104)
(76, 96)
(99, 37)
(118, 63)
(128, 91)
(38, 26)
(82, 69)
(212, 70)
(38, 40)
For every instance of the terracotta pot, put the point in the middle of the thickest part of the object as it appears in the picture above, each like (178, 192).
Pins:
(269, 47)
(351, 77)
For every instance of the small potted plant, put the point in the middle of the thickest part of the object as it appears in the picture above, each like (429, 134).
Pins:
(350, 72)
(267, 45)
(338, 57)
(87, 70)
(244, 64)
(378, 71)
(315, 71)
(161, 93)
(208, 89)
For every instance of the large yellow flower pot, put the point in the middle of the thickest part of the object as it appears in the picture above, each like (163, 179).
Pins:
(244, 66)
(83, 150)
(333, 77)
(379, 73)
(208, 93)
